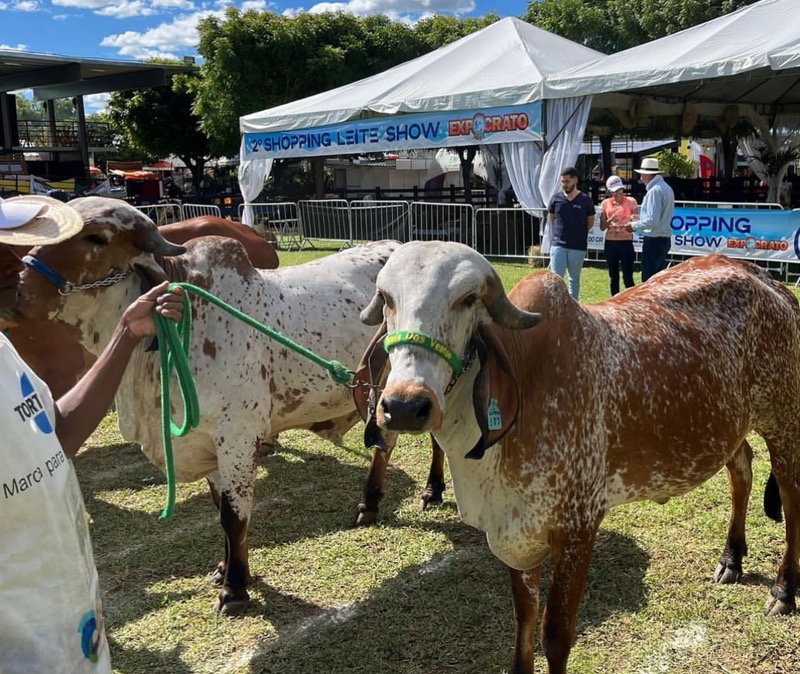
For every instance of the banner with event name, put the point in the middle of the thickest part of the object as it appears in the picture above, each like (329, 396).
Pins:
(402, 132)
(744, 233)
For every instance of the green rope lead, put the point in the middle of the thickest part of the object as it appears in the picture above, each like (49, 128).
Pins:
(174, 341)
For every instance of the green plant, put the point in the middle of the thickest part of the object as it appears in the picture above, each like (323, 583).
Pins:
(677, 165)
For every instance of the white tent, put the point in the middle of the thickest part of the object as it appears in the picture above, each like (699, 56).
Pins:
(501, 66)
(748, 56)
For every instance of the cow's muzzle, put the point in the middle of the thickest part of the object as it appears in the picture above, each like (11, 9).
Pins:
(409, 409)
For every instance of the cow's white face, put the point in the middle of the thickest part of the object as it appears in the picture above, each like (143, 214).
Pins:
(441, 290)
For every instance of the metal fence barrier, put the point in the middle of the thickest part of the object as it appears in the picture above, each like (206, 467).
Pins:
(372, 220)
(199, 210)
(443, 222)
(278, 221)
(163, 214)
(508, 232)
(325, 220)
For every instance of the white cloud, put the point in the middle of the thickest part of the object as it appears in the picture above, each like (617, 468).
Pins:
(26, 6)
(392, 8)
(95, 102)
(61, 17)
(258, 5)
(125, 10)
(19, 47)
(172, 4)
(167, 40)
(84, 4)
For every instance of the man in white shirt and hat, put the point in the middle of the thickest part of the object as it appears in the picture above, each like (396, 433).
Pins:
(655, 218)
(51, 618)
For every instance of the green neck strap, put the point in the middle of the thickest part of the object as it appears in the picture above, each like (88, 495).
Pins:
(426, 342)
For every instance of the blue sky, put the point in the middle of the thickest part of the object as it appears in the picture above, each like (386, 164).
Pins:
(141, 29)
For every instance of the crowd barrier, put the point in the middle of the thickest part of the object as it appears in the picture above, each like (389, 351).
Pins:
(765, 233)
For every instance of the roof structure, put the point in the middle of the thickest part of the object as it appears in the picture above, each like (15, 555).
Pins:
(503, 64)
(52, 76)
(749, 56)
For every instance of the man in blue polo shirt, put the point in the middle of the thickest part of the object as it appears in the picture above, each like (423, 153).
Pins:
(571, 214)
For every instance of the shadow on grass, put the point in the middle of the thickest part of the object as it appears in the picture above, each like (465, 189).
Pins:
(145, 660)
(454, 614)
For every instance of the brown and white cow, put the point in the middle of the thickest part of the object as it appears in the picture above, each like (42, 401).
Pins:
(52, 349)
(644, 396)
(249, 386)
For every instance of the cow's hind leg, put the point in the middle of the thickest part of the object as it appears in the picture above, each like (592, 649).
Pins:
(525, 594)
(740, 478)
(786, 469)
(436, 486)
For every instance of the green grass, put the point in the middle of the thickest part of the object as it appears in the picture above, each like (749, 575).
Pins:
(420, 592)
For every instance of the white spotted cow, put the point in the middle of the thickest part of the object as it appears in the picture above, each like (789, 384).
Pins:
(249, 386)
(644, 396)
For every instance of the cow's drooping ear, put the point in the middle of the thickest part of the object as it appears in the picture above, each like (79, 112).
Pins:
(149, 272)
(371, 369)
(495, 394)
(373, 314)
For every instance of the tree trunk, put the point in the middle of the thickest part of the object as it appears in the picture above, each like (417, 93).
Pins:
(318, 164)
(605, 152)
(467, 155)
(196, 165)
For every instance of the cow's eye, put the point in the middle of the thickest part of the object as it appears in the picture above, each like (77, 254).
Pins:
(96, 240)
(470, 300)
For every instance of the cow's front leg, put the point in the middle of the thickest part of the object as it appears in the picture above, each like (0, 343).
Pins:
(740, 477)
(217, 576)
(572, 556)
(436, 486)
(525, 594)
(235, 487)
(373, 486)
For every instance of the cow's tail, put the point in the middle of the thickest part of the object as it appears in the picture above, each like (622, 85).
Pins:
(773, 507)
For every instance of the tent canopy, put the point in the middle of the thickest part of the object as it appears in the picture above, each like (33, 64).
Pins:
(502, 65)
(749, 56)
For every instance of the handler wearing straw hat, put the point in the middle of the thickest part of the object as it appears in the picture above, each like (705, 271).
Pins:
(655, 218)
(50, 609)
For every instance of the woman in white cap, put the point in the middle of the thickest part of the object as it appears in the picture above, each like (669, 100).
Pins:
(655, 218)
(52, 619)
(615, 212)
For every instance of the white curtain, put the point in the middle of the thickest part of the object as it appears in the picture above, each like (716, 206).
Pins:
(252, 174)
(566, 124)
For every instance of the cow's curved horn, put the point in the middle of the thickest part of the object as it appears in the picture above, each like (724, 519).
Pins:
(373, 314)
(502, 311)
(152, 241)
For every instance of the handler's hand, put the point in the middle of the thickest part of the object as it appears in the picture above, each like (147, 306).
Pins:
(629, 228)
(138, 317)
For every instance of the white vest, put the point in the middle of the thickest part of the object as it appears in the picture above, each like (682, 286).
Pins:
(51, 617)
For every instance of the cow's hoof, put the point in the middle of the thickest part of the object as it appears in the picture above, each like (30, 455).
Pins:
(429, 500)
(229, 605)
(365, 517)
(217, 576)
(727, 575)
(782, 605)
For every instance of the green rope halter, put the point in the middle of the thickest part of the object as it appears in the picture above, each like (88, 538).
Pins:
(394, 339)
(173, 341)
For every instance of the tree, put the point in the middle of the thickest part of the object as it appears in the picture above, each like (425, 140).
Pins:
(159, 122)
(613, 25)
(257, 60)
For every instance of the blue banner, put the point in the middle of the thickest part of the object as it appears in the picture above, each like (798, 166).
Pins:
(744, 233)
(402, 132)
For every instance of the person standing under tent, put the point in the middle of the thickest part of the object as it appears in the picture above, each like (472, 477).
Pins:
(615, 212)
(655, 218)
(571, 215)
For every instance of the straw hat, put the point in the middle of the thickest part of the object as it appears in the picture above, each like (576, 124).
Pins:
(649, 166)
(37, 220)
(614, 183)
